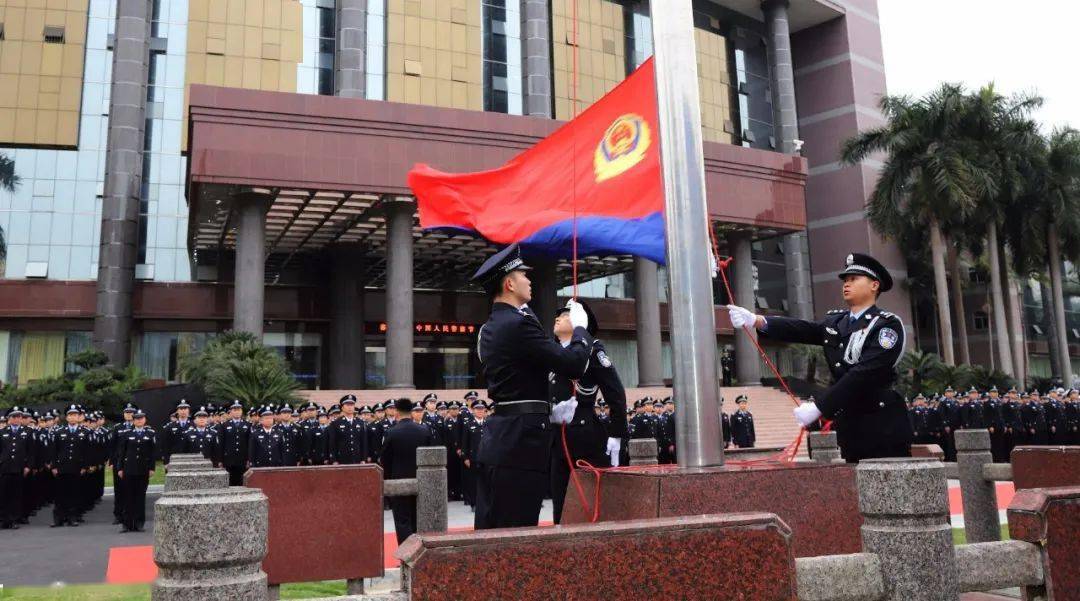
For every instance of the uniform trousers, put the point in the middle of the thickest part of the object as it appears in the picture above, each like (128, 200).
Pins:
(11, 498)
(236, 474)
(119, 484)
(468, 485)
(66, 492)
(404, 510)
(135, 501)
(509, 497)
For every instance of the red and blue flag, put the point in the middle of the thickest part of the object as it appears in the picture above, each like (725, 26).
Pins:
(601, 169)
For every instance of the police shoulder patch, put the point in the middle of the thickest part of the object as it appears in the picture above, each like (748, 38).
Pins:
(836, 311)
(604, 360)
(887, 338)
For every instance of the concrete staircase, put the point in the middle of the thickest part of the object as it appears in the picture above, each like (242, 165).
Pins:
(773, 422)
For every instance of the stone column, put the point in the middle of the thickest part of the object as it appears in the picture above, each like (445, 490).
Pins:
(346, 357)
(399, 293)
(642, 451)
(647, 321)
(823, 447)
(981, 523)
(187, 480)
(536, 57)
(747, 364)
(905, 508)
(224, 565)
(249, 288)
(786, 131)
(431, 489)
(123, 181)
(545, 298)
(350, 56)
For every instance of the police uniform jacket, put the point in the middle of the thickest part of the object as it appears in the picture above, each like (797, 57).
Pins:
(348, 440)
(172, 436)
(1010, 415)
(586, 434)
(70, 449)
(742, 429)
(643, 426)
(136, 450)
(862, 357)
(201, 441)
(1054, 411)
(232, 443)
(992, 416)
(972, 415)
(16, 450)
(725, 427)
(292, 444)
(114, 441)
(473, 433)
(317, 445)
(949, 410)
(264, 448)
(517, 356)
(399, 448)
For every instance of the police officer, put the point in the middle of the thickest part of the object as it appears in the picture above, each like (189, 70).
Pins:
(727, 366)
(200, 439)
(587, 438)
(232, 444)
(114, 447)
(949, 413)
(348, 435)
(135, 466)
(16, 459)
(292, 437)
(862, 344)
(643, 425)
(264, 443)
(399, 461)
(669, 430)
(919, 418)
(517, 355)
(172, 435)
(473, 433)
(317, 440)
(1057, 431)
(742, 424)
(70, 445)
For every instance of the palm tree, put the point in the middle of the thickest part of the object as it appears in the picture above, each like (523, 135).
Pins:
(929, 177)
(1061, 215)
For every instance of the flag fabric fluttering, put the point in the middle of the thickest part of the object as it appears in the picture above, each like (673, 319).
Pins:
(601, 169)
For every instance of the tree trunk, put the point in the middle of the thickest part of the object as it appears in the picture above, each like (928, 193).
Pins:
(1057, 290)
(997, 293)
(1014, 314)
(1051, 330)
(941, 290)
(958, 305)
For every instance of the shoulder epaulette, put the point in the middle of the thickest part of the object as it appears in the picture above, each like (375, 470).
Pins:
(836, 311)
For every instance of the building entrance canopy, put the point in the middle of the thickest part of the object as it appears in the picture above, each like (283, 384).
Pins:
(328, 166)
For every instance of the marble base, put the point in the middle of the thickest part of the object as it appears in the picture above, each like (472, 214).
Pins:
(818, 502)
(1043, 467)
(1050, 518)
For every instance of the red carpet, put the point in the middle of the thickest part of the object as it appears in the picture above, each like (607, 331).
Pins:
(131, 564)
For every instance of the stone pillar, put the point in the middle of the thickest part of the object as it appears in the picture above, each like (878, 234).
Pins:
(536, 57)
(747, 364)
(346, 348)
(431, 489)
(249, 289)
(123, 181)
(642, 451)
(905, 508)
(187, 480)
(399, 293)
(823, 447)
(981, 523)
(226, 565)
(647, 322)
(349, 60)
(545, 289)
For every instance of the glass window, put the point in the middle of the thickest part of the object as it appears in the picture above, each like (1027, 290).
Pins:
(501, 42)
(327, 37)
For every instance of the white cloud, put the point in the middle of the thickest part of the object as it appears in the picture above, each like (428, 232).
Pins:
(1020, 46)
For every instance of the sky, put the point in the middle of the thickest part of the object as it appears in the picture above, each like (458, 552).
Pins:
(1032, 45)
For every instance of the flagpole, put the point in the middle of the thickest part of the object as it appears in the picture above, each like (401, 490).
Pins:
(693, 328)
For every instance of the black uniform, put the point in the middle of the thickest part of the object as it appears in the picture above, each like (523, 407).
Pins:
(348, 440)
(135, 456)
(292, 444)
(202, 441)
(1057, 431)
(70, 448)
(472, 434)
(317, 445)
(949, 412)
(742, 429)
(114, 461)
(725, 428)
(586, 435)
(993, 415)
(517, 357)
(172, 438)
(16, 459)
(264, 447)
(869, 417)
(727, 368)
(1072, 421)
(399, 461)
(973, 415)
(232, 449)
(1031, 416)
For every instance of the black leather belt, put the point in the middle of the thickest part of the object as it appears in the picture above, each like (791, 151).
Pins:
(522, 408)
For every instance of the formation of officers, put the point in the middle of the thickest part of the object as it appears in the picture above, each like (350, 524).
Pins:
(1013, 418)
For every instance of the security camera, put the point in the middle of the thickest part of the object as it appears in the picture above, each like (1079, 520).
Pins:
(798, 144)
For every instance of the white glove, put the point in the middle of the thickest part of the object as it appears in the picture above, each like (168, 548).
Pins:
(613, 447)
(807, 413)
(578, 317)
(563, 413)
(740, 318)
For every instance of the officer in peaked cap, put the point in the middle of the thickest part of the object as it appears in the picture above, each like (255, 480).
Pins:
(862, 346)
(135, 458)
(16, 460)
(71, 443)
(173, 434)
(517, 354)
(231, 447)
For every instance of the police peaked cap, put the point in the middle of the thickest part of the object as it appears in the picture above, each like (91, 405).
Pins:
(266, 410)
(472, 394)
(478, 402)
(859, 264)
(500, 264)
(139, 413)
(182, 404)
(742, 398)
(201, 411)
(365, 409)
(236, 404)
(349, 398)
(593, 326)
(74, 409)
(442, 405)
(431, 396)
(130, 407)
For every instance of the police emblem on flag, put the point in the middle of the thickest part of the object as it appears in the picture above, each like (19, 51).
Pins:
(887, 338)
(622, 146)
